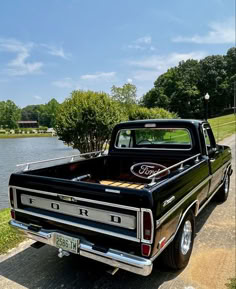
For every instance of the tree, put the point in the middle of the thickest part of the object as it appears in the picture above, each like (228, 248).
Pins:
(164, 86)
(30, 112)
(177, 90)
(125, 94)
(43, 113)
(213, 71)
(9, 114)
(186, 99)
(48, 113)
(231, 75)
(182, 88)
(86, 119)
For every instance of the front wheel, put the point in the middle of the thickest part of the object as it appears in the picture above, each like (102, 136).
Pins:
(223, 193)
(177, 254)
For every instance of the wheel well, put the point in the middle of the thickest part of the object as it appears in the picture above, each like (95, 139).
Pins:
(195, 207)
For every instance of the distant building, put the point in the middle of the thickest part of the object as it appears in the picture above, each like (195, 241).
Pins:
(28, 124)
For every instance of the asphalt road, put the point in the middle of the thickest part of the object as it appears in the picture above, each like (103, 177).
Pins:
(212, 261)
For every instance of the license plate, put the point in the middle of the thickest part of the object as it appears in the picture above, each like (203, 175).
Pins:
(67, 243)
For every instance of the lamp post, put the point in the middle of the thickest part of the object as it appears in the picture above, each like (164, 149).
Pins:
(206, 98)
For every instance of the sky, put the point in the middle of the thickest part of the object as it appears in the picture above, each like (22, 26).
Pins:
(49, 48)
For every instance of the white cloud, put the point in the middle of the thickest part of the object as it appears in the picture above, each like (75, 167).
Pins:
(220, 33)
(136, 46)
(160, 62)
(98, 75)
(142, 43)
(145, 75)
(149, 68)
(57, 51)
(19, 65)
(144, 40)
(129, 80)
(152, 48)
(67, 82)
(37, 97)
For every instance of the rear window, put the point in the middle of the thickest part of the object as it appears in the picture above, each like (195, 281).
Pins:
(154, 138)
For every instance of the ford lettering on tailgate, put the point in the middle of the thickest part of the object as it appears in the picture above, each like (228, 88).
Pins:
(98, 215)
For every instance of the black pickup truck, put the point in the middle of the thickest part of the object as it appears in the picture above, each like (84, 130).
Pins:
(126, 207)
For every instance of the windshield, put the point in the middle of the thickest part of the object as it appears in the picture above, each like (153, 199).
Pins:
(154, 138)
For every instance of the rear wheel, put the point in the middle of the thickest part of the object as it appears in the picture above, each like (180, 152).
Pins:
(223, 193)
(177, 254)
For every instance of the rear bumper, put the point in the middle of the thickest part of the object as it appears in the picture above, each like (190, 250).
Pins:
(115, 258)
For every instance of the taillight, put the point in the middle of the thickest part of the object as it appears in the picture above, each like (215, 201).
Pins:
(11, 197)
(13, 215)
(145, 249)
(147, 226)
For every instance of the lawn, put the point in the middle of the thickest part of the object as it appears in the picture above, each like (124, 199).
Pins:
(25, 135)
(9, 237)
(223, 126)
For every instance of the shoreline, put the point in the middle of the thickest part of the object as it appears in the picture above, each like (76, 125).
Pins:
(3, 136)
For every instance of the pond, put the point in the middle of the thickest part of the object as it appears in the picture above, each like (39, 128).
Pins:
(15, 151)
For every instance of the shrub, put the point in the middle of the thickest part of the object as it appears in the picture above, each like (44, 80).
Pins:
(140, 112)
(17, 131)
(86, 119)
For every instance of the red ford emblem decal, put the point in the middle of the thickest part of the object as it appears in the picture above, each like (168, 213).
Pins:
(145, 170)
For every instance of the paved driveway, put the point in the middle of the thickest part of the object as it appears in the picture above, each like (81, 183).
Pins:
(211, 264)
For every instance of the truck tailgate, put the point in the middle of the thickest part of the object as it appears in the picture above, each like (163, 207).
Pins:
(86, 209)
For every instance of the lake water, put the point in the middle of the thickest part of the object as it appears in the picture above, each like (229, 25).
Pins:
(15, 151)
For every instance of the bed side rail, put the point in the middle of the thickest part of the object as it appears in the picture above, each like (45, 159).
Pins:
(180, 164)
(71, 159)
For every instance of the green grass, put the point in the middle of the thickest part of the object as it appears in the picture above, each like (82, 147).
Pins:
(232, 284)
(25, 135)
(9, 237)
(223, 126)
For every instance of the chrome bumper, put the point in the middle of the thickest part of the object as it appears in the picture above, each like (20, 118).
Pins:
(115, 258)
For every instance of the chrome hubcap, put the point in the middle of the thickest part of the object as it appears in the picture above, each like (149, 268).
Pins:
(186, 237)
(226, 185)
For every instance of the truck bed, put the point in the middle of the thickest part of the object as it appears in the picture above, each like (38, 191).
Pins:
(109, 171)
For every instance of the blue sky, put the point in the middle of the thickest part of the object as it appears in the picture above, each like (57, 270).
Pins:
(50, 48)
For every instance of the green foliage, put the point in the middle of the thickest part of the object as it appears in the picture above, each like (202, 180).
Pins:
(30, 112)
(213, 70)
(139, 112)
(231, 74)
(9, 114)
(48, 113)
(125, 94)
(45, 114)
(182, 88)
(86, 119)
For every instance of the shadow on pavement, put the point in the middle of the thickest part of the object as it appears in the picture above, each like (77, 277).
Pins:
(42, 268)
(205, 214)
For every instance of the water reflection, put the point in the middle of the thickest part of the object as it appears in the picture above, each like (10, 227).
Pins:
(20, 150)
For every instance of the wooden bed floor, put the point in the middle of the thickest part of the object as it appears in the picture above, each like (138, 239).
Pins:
(122, 184)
